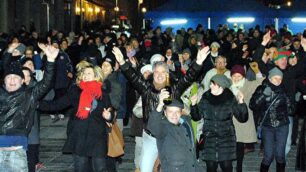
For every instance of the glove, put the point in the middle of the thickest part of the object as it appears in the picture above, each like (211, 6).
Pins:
(254, 67)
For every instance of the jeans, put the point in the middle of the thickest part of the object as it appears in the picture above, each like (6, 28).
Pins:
(82, 163)
(13, 160)
(289, 140)
(149, 153)
(138, 148)
(274, 140)
(33, 156)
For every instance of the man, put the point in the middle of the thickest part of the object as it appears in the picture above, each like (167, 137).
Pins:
(220, 68)
(175, 140)
(149, 92)
(17, 106)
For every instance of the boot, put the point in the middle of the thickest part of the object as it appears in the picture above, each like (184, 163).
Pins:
(264, 168)
(280, 167)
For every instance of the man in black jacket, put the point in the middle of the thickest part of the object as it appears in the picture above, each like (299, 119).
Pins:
(150, 91)
(17, 106)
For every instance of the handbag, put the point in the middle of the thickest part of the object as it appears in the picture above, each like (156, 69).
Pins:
(115, 141)
(259, 128)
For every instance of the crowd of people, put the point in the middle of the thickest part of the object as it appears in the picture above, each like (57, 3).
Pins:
(228, 89)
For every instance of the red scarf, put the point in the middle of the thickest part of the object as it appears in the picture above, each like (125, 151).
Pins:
(90, 90)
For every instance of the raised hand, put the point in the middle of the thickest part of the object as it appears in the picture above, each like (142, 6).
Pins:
(266, 38)
(163, 95)
(50, 51)
(119, 56)
(12, 47)
(240, 97)
(106, 113)
(202, 55)
(194, 99)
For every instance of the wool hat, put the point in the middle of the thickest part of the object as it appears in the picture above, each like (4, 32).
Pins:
(186, 51)
(147, 67)
(281, 53)
(176, 103)
(275, 72)
(238, 69)
(14, 68)
(21, 48)
(156, 58)
(215, 44)
(221, 80)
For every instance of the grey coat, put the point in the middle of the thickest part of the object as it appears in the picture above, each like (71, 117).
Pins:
(175, 146)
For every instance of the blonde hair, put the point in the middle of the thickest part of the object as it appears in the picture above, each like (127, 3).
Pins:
(84, 65)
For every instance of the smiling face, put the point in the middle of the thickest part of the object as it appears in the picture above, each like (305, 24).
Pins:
(159, 74)
(106, 68)
(12, 82)
(88, 75)
(276, 80)
(173, 114)
(236, 77)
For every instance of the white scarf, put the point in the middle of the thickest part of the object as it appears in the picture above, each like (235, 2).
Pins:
(235, 87)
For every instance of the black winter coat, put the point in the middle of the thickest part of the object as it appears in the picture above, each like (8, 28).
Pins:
(278, 113)
(17, 108)
(217, 112)
(148, 92)
(87, 137)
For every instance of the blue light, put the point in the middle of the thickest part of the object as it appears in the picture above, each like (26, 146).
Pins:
(241, 19)
(299, 19)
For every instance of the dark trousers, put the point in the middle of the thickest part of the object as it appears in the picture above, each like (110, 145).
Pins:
(274, 140)
(111, 164)
(226, 166)
(83, 163)
(240, 156)
(32, 156)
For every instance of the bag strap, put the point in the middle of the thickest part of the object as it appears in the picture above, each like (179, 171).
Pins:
(266, 112)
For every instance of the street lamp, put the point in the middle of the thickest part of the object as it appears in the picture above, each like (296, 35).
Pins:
(143, 10)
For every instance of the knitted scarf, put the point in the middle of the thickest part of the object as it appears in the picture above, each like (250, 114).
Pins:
(90, 90)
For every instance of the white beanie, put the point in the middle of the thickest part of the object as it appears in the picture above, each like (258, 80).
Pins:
(156, 58)
(145, 68)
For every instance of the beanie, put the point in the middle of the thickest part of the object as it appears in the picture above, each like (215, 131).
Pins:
(156, 58)
(147, 67)
(21, 48)
(275, 72)
(186, 51)
(110, 61)
(221, 80)
(238, 69)
(281, 53)
(14, 68)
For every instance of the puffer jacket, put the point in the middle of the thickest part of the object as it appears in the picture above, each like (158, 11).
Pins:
(148, 92)
(218, 127)
(277, 114)
(17, 108)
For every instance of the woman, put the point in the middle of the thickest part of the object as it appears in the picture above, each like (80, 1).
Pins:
(87, 138)
(245, 132)
(217, 107)
(112, 82)
(271, 98)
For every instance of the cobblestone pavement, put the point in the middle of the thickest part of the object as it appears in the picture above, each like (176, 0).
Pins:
(53, 137)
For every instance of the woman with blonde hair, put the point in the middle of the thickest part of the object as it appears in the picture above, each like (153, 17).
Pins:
(87, 138)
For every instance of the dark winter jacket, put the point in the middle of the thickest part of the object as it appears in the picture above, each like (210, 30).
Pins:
(87, 137)
(17, 108)
(175, 143)
(148, 92)
(278, 113)
(217, 112)
(63, 67)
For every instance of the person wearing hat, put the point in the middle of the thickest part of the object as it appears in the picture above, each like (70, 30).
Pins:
(174, 136)
(279, 59)
(245, 132)
(185, 60)
(149, 91)
(220, 68)
(217, 107)
(17, 107)
(275, 105)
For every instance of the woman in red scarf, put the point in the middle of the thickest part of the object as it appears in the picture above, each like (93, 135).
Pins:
(87, 135)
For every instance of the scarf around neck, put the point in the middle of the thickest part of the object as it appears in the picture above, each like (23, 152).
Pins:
(90, 90)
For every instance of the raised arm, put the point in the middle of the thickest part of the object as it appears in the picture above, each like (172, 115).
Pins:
(44, 85)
